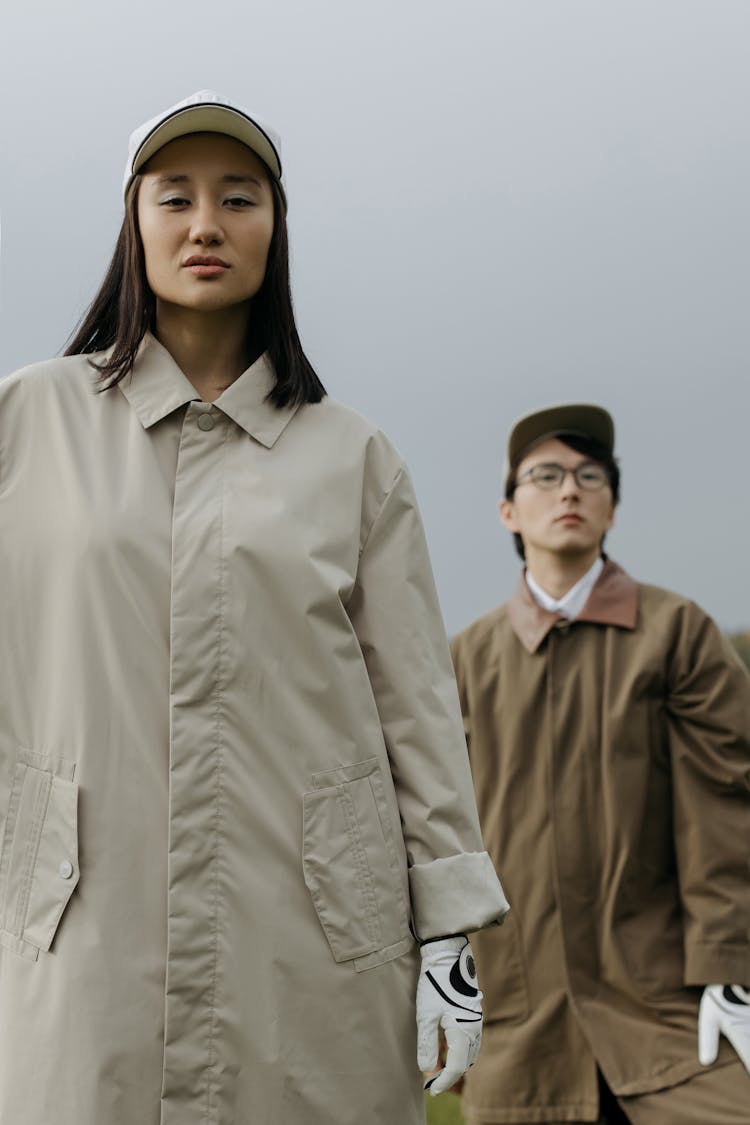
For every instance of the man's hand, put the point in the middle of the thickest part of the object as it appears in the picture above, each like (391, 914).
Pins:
(448, 997)
(724, 1010)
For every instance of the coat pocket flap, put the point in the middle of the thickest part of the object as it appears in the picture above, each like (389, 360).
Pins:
(337, 873)
(341, 774)
(39, 864)
(50, 763)
(353, 865)
(56, 872)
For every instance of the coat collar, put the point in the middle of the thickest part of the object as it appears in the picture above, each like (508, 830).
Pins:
(156, 387)
(613, 601)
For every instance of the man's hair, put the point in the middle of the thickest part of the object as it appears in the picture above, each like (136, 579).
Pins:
(594, 450)
(123, 311)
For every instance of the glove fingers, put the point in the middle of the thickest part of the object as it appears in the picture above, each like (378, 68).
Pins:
(444, 1080)
(740, 1040)
(476, 1043)
(427, 1042)
(708, 1031)
(459, 1047)
(462, 1050)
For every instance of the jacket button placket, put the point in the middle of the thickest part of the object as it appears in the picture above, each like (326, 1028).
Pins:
(572, 827)
(191, 1048)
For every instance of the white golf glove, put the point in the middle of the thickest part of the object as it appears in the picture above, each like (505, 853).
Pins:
(448, 997)
(724, 1010)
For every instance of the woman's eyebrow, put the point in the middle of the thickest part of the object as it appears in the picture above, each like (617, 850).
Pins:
(234, 179)
(230, 178)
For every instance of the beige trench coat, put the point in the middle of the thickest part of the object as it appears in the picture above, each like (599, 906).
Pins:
(611, 760)
(232, 764)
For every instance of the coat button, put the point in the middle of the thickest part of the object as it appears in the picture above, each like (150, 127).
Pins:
(65, 869)
(206, 421)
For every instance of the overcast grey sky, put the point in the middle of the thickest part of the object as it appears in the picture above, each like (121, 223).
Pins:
(493, 206)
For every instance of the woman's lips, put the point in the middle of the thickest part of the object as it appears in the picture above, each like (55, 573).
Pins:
(205, 267)
(569, 518)
(207, 271)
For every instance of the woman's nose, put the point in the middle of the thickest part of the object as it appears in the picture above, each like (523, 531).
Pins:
(206, 226)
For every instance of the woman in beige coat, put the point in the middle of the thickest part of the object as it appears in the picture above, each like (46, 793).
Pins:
(233, 779)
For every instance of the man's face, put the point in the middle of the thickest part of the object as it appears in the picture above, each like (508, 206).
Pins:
(566, 520)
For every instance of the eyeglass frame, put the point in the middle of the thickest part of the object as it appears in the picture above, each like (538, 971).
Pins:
(527, 478)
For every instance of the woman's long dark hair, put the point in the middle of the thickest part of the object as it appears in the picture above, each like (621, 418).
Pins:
(124, 310)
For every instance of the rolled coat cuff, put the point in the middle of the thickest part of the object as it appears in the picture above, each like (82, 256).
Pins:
(456, 894)
(713, 963)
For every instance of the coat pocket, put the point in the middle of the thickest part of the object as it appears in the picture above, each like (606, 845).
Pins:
(39, 860)
(351, 865)
(501, 972)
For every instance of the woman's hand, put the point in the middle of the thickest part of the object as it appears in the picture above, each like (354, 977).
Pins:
(448, 998)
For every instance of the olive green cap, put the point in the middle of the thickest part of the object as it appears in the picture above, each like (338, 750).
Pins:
(583, 419)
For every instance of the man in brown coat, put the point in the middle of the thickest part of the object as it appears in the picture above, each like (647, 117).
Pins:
(609, 731)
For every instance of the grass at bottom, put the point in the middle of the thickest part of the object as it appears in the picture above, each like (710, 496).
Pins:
(445, 1109)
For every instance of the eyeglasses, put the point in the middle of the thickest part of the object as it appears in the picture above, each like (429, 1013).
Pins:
(589, 476)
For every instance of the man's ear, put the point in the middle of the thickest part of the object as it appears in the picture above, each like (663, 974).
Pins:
(612, 514)
(507, 511)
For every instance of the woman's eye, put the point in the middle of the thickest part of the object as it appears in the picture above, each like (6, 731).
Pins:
(239, 201)
(174, 201)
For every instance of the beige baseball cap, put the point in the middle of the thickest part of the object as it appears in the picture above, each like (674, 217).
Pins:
(582, 418)
(204, 112)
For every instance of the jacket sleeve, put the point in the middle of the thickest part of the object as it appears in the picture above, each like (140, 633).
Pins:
(708, 709)
(395, 613)
(458, 671)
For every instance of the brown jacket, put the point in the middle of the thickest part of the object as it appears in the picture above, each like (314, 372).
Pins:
(611, 761)
(232, 765)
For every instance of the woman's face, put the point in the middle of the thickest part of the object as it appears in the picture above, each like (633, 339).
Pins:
(206, 216)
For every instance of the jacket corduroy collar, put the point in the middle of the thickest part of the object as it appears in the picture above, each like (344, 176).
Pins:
(156, 387)
(613, 601)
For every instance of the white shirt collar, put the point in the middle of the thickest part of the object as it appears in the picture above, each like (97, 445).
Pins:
(572, 602)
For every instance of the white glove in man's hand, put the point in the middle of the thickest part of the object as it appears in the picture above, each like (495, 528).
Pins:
(448, 997)
(724, 1010)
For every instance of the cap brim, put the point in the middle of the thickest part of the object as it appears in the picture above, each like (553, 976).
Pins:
(210, 119)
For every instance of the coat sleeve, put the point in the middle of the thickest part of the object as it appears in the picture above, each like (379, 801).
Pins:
(395, 613)
(708, 709)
